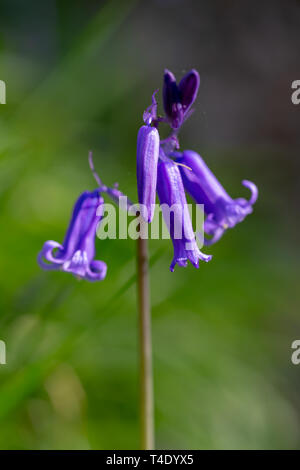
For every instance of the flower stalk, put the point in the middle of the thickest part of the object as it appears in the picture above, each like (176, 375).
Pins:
(145, 344)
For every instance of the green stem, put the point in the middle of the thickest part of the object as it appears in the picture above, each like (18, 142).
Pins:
(146, 374)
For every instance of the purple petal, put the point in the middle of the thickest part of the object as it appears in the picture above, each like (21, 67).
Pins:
(201, 183)
(170, 92)
(176, 214)
(78, 264)
(171, 99)
(180, 261)
(177, 115)
(188, 89)
(147, 158)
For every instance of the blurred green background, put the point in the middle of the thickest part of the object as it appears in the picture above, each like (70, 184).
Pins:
(78, 76)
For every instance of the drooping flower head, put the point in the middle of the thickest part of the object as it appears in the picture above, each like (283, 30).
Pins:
(76, 253)
(176, 214)
(222, 211)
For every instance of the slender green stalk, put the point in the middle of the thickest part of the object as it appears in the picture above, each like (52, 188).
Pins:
(146, 373)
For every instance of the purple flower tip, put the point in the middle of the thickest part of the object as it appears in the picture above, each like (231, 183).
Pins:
(178, 99)
(188, 89)
(254, 191)
(76, 254)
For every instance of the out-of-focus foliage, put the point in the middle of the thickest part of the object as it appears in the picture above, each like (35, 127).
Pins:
(78, 76)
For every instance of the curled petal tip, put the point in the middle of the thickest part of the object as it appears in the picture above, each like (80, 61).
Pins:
(254, 191)
(97, 271)
(206, 258)
(46, 254)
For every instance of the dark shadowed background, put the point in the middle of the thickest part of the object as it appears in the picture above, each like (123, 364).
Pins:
(79, 76)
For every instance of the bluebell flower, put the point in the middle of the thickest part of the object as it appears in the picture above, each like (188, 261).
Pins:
(76, 253)
(222, 211)
(177, 217)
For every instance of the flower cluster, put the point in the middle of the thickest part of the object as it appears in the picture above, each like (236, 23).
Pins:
(163, 169)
